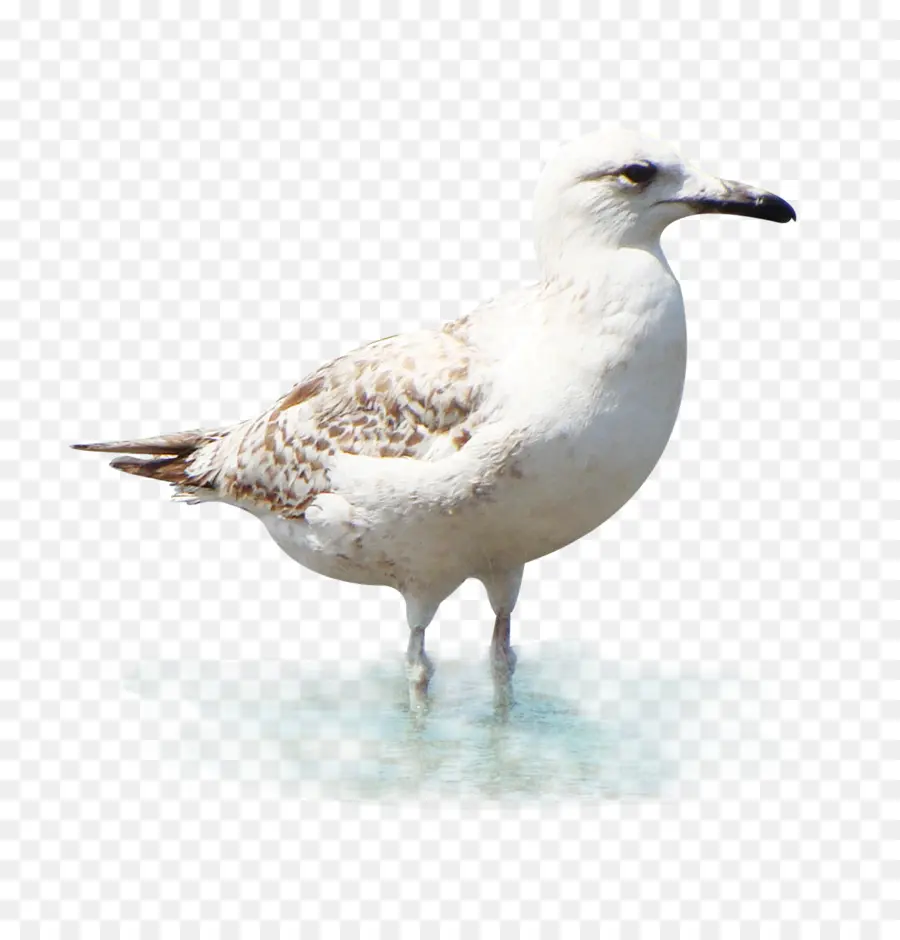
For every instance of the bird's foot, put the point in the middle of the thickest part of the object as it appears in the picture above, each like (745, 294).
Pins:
(419, 671)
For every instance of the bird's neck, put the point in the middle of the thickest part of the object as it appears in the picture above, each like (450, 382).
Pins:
(569, 246)
(588, 262)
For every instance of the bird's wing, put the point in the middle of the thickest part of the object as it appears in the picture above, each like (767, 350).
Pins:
(412, 395)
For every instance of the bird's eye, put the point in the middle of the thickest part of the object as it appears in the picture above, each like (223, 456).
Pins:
(638, 172)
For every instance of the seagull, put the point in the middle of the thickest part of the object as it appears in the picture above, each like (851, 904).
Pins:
(431, 457)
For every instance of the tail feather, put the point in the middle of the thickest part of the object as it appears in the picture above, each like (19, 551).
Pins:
(172, 453)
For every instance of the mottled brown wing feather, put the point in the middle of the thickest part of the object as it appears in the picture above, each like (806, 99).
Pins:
(399, 397)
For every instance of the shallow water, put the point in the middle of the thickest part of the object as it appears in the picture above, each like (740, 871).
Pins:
(573, 726)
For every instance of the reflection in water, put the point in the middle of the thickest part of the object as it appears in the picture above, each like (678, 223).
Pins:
(571, 726)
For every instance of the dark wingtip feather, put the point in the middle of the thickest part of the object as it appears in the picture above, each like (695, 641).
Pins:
(164, 445)
(111, 448)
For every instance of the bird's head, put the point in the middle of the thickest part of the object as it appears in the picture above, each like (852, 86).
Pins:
(619, 189)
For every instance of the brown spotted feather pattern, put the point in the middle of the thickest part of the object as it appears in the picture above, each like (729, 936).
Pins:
(406, 396)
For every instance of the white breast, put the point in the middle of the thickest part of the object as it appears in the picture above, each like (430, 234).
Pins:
(607, 391)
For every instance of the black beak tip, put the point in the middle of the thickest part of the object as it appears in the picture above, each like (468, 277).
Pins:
(778, 209)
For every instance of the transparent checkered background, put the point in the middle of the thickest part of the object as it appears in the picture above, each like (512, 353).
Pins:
(198, 204)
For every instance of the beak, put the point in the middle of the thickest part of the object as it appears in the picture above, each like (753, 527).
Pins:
(729, 197)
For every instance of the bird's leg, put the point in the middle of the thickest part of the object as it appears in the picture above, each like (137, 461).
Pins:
(418, 665)
(418, 668)
(419, 613)
(503, 591)
(503, 659)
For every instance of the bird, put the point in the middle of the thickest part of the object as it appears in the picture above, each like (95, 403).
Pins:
(432, 457)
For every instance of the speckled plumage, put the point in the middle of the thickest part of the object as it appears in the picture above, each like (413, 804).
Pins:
(405, 396)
